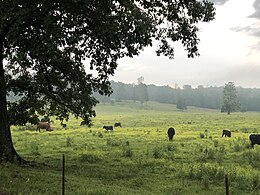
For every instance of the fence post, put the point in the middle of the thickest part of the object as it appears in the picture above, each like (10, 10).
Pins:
(63, 174)
(227, 184)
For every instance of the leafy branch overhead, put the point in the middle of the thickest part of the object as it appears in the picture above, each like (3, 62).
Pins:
(45, 44)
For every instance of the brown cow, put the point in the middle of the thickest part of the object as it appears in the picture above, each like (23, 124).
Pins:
(43, 125)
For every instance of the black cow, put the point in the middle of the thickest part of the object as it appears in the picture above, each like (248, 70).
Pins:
(64, 126)
(226, 133)
(108, 128)
(255, 139)
(117, 125)
(171, 133)
(45, 119)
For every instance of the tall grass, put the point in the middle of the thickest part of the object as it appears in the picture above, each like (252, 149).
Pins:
(138, 158)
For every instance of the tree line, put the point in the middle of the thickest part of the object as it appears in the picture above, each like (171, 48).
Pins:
(201, 96)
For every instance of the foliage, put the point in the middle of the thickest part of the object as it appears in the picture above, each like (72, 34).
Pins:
(141, 92)
(230, 99)
(204, 97)
(46, 43)
(181, 104)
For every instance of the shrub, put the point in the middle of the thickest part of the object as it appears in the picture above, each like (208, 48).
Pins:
(202, 135)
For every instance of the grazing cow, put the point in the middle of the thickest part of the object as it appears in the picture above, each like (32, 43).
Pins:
(108, 128)
(45, 119)
(43, 125)
(255, 139)
(64, 126)
(171, 133)
(117, 125)
(226, 133)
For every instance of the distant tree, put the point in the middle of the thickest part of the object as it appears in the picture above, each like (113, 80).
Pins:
(230, 102)
(181, 104)
(46, 42)
(187, 94)
(120, 92)
(141, 91)
(140, 80)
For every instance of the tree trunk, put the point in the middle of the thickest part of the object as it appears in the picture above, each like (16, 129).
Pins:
(7, 151)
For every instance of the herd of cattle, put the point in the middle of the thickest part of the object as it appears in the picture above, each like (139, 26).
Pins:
(254, 138)
(45, 124)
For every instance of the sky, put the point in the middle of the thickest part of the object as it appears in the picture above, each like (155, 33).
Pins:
(229, 50)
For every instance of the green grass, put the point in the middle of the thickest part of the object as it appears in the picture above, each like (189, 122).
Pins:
(138, 158)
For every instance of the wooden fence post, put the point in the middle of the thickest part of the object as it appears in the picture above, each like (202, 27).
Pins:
(227, 184)
(63, 174)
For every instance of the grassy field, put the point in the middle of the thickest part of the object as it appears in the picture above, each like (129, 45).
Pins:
(138, 158)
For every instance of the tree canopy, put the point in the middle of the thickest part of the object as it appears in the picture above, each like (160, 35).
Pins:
(230, 98)
(44, 45)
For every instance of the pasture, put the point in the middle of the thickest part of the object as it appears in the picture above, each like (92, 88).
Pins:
(137, 158)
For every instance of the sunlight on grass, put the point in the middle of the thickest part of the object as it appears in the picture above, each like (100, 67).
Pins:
(137, 158)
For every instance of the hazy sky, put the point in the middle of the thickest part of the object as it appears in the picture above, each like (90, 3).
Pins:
(229, 51)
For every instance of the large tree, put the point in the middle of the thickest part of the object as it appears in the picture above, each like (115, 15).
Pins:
(230, 102)
(43, 45)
